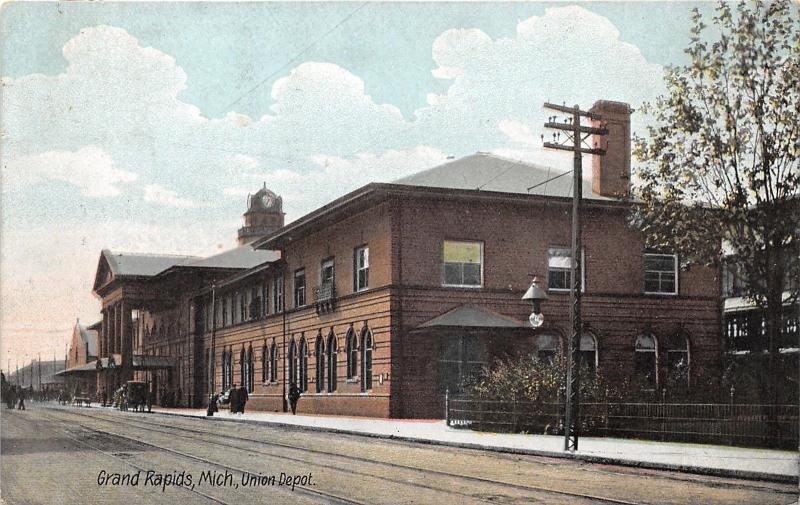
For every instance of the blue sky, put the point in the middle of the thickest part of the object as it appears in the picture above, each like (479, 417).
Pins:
(142, 126)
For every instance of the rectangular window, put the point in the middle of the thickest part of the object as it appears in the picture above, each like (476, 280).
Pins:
(361, 269)
(463, 264)
(327, 272)
(660, 274)
(559, 260)
(277, 295)
(300, 288)
(326, 280)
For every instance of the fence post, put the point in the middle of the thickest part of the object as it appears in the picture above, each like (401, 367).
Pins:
(515, 416)
(663, 414)
(447, 406)
(730, 419)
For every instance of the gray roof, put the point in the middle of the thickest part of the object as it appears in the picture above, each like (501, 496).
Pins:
(243, 256)
(471, 316)
(89, 337)
(489, 172)
(138, 264)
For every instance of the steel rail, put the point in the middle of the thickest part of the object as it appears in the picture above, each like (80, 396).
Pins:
(327, 497)
(479, 480)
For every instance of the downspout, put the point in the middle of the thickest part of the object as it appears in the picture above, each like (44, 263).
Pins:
(213, 337)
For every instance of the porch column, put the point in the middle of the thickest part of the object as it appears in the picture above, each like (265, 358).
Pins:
(101, 341)
(126, 340)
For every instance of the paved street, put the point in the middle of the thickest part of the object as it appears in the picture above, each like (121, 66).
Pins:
(53, 455)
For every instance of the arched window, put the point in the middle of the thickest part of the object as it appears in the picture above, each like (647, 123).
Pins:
(366, 359)
(646, 350)
(351, 350)
(250, 370)
(224, 369)
(678, 362)
(548, 346)
(589, 352)
(229, 368)
(242, 368)
(319, 356)
(264, 363)
(273, 363)
(333, 349)
(303, 362)
(292, 363)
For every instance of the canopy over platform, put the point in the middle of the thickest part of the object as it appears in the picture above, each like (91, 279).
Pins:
(140, 362)
(87, 369)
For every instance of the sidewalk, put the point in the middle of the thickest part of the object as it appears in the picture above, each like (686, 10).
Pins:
(724, 461)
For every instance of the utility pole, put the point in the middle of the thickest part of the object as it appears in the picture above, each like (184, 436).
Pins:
(575, 137)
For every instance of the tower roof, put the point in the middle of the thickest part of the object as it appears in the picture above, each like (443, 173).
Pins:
(264, 200)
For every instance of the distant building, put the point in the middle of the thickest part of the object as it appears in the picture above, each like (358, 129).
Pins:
(378, 302)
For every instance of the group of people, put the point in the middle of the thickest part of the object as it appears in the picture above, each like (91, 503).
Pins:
(238, 398)
(14, 396)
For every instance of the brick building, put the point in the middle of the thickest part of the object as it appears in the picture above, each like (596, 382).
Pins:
(81, 358)
(379, 301)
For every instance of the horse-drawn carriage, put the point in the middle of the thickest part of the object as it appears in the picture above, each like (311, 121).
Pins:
(134, 395)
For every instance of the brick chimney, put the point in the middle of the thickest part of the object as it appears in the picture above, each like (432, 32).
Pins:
(611, 174)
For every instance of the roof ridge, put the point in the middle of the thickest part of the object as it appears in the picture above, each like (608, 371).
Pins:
(151, 255)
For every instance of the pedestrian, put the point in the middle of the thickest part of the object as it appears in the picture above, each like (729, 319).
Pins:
(243, 397)
(233, 394)
(11, 397)
(21, 404)
(151, 397)
(212, 405)
(178, 397)
(294, 395)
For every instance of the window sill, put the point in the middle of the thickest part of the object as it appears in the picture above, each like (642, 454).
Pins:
(658, 293)
(351, 381)
(463, 286)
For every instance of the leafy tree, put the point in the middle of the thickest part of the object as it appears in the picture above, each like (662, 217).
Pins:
(720, 163)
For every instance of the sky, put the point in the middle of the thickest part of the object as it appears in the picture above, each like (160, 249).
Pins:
(143, 126)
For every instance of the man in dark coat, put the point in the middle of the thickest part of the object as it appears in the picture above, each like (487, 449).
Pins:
(243, 397)
(212, 405)
(294, 395)
(234, 399)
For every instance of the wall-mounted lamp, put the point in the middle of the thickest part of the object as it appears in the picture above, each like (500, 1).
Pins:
(536, 295)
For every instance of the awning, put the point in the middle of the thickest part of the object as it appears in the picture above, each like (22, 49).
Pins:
(87, 369)
(471, 317)
(140, 362)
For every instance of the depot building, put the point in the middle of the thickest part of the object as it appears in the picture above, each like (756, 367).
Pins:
(382, 300)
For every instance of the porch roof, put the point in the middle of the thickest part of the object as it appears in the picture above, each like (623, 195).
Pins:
(472, 316)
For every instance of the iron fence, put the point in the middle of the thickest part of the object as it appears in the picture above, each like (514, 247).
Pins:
(718, 423)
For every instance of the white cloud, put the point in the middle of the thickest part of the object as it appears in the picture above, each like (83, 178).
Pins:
(89, 168)
(155, 193)
(115, 114)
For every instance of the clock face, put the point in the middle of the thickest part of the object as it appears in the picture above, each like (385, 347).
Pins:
(267, 200)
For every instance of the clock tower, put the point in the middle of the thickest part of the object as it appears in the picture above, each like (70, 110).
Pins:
(264, 215)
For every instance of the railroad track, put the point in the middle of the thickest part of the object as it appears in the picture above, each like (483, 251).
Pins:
(320, 496)
(202, 436)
